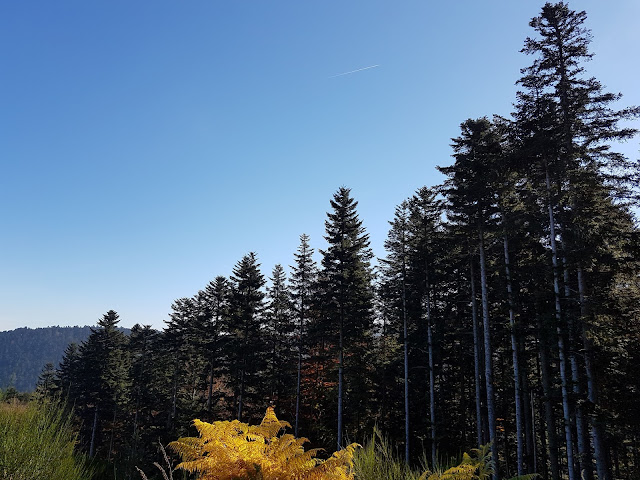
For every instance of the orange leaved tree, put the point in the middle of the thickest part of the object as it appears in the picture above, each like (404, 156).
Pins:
(234, 450)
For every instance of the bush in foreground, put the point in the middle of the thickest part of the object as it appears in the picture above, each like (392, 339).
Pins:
(37, 441)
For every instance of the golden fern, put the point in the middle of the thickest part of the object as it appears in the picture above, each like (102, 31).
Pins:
(234, 450)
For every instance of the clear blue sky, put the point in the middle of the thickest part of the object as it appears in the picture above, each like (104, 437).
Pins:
(146, 146)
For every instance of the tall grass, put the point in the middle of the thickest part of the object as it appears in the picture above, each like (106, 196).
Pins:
(37, 442)
(377, 460)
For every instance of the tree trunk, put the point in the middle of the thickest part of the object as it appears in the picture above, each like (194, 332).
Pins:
(597, 435)
(584, 452)
(340, 376)
(562, 359)
(210, 392)
(516, 360)
(111, 439)
(241, 396)
(432, 376)
(406, 359)
(529, 419)
(299, 380)
(488, 366)
(548, 407)
(476, 356)
(531, 442)
(93, 433)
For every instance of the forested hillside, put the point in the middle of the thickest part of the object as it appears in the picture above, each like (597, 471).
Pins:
(24, 352)
(505, 309)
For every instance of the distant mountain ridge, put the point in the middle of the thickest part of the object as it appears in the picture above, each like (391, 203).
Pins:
(24, 351)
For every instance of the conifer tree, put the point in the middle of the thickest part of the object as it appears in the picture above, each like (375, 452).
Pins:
(218, 293)
(67, 373)
(104, 385)
(395, 268)
(279, 329)
(185, 345)
(143, 394)
(580, 116)
(246, 346)
(348, 296)
(427, 258)
(303, 282)
(472, 195)
(46, 381)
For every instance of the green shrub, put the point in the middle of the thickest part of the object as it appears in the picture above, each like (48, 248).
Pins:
(37, 442)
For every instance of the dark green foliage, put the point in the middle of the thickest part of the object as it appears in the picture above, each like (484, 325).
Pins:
(279, 328)
(347, 320)
(246, 347)
(24, 351)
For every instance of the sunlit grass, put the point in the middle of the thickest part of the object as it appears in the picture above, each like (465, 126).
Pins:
(37, 442)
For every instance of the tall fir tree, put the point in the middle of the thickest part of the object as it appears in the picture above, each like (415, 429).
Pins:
(470, 189)
(279, 332)
(348, 296)
(246, 347)
(304, 275)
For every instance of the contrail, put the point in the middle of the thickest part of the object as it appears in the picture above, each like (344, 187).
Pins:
(354, 71)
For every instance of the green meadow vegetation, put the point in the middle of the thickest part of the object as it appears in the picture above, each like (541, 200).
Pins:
(37, 441)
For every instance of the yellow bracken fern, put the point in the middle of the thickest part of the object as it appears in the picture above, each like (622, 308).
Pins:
(234, 450)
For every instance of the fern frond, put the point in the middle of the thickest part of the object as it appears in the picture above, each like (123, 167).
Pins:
(232, 450)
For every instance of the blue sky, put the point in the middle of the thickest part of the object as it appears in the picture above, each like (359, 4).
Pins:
(145, 147)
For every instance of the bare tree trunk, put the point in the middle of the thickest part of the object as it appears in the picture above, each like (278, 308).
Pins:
(488, 366)
(241, 395)
(340, 376)
(529, 419)
(561, 346)
(548, 407)
(516, 360)
(432, 376)
(111, 439)
(299, 380)
(406, 358)
(93, 433)
(210, 392)
(476, 355)
(532, 437)
(584, 452)
(602, 465)
(174, 399)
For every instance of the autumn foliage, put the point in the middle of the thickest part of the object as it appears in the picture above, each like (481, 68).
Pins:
(232, 450)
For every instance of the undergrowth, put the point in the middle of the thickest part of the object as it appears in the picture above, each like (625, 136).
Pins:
(37, 442)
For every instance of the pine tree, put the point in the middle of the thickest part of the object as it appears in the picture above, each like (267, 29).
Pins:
(67, 373)
(46, 381)
(246, 346)
(104, 385)
(579, 116)
(348, 296)
(472, 195)
(279, 329)
(395, 272)
(427, 278)
(218, 293)
(303, 281)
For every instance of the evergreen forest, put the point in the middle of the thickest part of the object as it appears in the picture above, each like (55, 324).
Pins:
(504, 311)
